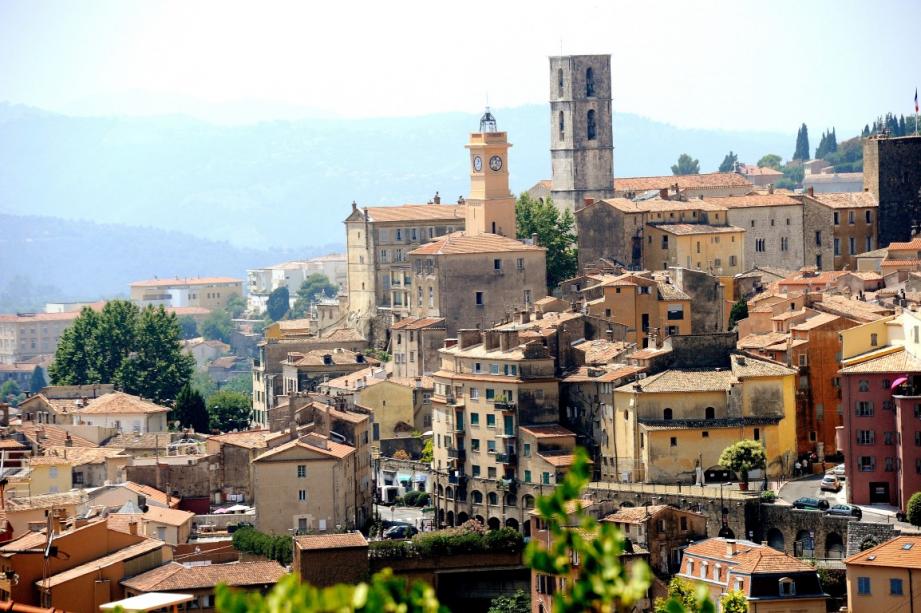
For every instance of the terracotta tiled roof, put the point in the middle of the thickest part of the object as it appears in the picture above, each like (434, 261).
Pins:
(317, 357)
(367, 376)
(912, 245)
(250, 439)
(151, 493)
(548, 431)
(756, 200)
(657, 205)
(133, 440)
(330, 541)
(185, 282)
(713, 179)
(48, 435)
(121, 403)
(558, 460)
(635, 515)
(716, 548)
(845, 200)
(460, 243)
(128, 553)
(758, 171)
(121, 522)
(225, 362)
(768, 560)
(898, 362)
(416, 323)
(601, 351)
(36, 317)
(328, 448)
(417, 212)
(171, 517)
(343, 335)
(45, 501)
(608, 375)
(679, 380)
(47, 461)
(901, 552)
(760, 341)
(176, 577)
(685, 229)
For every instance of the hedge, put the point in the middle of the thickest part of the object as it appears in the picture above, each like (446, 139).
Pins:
(250, 540)
(451, 541)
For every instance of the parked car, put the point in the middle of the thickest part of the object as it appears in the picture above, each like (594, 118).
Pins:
(838, 471)
(846, 510)
(830, 483)
(810, 503)
(400, 532)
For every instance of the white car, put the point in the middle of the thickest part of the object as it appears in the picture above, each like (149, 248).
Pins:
(838, 471)
(830, 483)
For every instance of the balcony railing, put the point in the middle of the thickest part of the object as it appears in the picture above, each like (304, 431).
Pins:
(457, 479)
(457, 454)
(506, 406)
(506, 458)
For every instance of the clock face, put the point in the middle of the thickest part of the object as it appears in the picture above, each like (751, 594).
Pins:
(477, 163)
(495, 163)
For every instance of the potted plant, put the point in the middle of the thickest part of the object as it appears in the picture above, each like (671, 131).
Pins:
(742, 457)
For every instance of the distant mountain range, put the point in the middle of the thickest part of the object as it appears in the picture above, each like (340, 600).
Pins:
(172, 184)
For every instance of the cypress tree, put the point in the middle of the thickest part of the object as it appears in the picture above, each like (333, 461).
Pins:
(802, 144)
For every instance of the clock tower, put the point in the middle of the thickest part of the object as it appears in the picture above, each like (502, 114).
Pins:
(491, 205)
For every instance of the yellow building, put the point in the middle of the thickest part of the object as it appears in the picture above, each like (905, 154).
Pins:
(886, 577)
(646, 304)
(207, 292)
(666, 426)
(398, 408)
(719, 250)
(288, 329)
(49, 475)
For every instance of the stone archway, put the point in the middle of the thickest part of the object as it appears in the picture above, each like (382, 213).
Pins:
(727, 533)
(441, 517)
(512, 523)
(834, 546)
(527, 501)
(476, 496)
(450, 518)
(775, 539)
(462, 518)
(441, 490)
(449, 493)
(494, 523)
(804, 545)
(626, 504)
(527, 529)
(511, 500)
(480, 519)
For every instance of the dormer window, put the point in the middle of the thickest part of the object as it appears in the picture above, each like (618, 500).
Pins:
(787, 587)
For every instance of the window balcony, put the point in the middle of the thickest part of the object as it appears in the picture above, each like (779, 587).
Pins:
(506, 458)
(457, 454)
(506, 406)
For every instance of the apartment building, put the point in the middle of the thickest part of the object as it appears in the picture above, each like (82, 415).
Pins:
(490, 385)
(837, 227)
(886, 577)
(719, 250)
(25, 336)
(260, 282)
(414, 343)
(773, 225)
(662, 530)
(303, 371)
(206, 292)
(673, 425)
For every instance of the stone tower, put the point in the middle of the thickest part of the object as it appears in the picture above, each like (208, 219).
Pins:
(581, 138)
(491, 205)
(892, 173)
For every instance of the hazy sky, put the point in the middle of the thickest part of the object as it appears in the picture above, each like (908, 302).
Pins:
(734, 65)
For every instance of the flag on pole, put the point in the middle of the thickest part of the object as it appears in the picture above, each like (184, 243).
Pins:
(916, 101)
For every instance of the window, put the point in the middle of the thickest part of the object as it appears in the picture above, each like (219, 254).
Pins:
(837, 246)
(757, 435)
(869, 243)
(866, 463)
(589, 82)
(497, 264)
(476, 473)
(709, 413)
(895, 585)
(784, 243)
(863, 385)
(474, 444)
(665, 241)
(889, 465)
(868, 216)
(527, 476)
(490, 421)
(527, 297)
(852, 246)
(477, 367)
(490, 446)
(673, 442)
(562, 126)
(865, 437)
(527, 449)
(874, 340)
(837, 218)
(559, 78)
(889, 438)
(759, 245)
(302, 495)
(667, 414)
(851, 217)
(704, 434)
(732, 260)
(545, 478)
(863, 586)
(474, 419)
(474, 394)
(787, 587)
(818, 237)
(684, 523)
(590, 125)
(399, 234)
(479, 299)
(519, 263)
(864, 408)
(301, 471)
(53, 472)
(675, 312)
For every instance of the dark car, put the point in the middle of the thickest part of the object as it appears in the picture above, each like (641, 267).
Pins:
(400, 532)
(846, 510)
(818, 504)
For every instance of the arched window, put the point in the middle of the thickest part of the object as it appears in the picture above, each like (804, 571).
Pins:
(667, 414)
(562, 126)
(590, 125)
(709, 413)
(477, 497)
(589, 82)
(559, 78)
(493, 498)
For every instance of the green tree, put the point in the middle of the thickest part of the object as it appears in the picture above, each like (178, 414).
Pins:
(742, 457)
(190, 410)
(242, 384)
(771, 160)
(75, 356)
(734, 601)
(738, 312)
(156, 368)
(913, 509)
(138, 351)
(10, 392)
(427, 451)
(519, 602)
(202, 383)
(188, 327)
(729, 162)
(680, 591)
(802, 144)
(278, 303)
(686, 165)
(217, 326)
(38, 380)
(555, 232)
(314, 287)
(229, 411)
(235, 306)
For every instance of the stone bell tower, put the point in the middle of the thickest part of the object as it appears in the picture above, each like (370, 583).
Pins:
(491, 205)
(581, 137)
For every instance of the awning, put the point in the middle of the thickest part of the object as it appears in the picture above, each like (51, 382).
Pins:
(899, 381)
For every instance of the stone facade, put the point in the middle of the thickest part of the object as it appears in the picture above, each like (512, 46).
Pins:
(581, 136)
(837, 227)
(773, 229)
(892, 173)
(324, 561)
(415, 343)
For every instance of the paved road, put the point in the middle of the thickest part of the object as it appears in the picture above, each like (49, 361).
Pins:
(809, 487)
(401, 515)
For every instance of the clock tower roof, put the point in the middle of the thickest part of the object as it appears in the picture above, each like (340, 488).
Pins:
(488, 122)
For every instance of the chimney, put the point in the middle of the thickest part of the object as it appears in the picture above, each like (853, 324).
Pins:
(490, 339)
(730, 547)
(133, 528)
(663, 194)
(810, 191)
(68, 440)
(588, 201)
(524, 317)
(437, 198)
(538, 314)
(508, 339)
(468, 337)
(534, 240)
(770, 188)
(292, 418)
(354, 205)
(610, 334)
